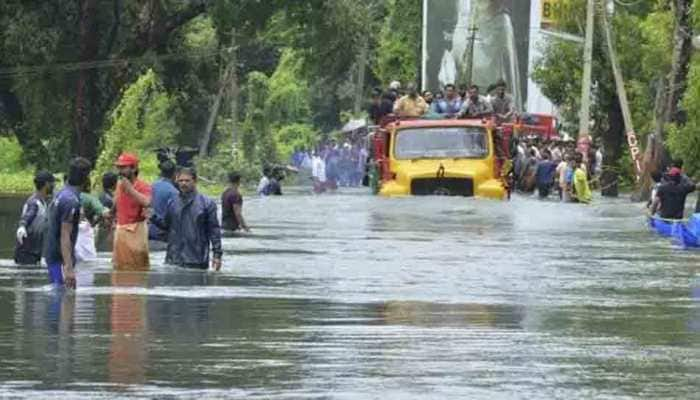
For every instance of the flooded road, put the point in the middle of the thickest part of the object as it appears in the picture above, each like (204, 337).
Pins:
(351, 296)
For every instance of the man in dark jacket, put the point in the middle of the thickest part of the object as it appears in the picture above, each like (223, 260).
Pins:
(192, 225)
(33, 222)
(671, 195)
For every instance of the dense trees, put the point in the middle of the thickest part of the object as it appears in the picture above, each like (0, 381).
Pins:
(281, 72)
(655, 57)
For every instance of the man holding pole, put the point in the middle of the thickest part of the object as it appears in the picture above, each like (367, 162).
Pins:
(132, 200)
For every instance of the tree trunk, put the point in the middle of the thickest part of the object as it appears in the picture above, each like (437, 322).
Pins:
(670, 91)
(234, 91)
(206, 136)
(612, 146)
(86, 92)
(360, 85)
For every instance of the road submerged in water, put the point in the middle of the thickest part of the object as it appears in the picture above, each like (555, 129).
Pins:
(352, 296)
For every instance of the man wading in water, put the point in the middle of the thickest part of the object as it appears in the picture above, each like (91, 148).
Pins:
(64, 218)
(192, 224)
(132, 199)
(32, 223)
(232, 206)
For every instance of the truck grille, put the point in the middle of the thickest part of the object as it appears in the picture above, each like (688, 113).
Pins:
(442, 187)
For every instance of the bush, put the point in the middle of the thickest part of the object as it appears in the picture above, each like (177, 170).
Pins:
(143, 120)
(684, 141)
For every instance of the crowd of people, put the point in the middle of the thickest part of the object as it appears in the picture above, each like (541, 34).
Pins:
(333, 165)
(60, 229)
(560, 166)
(467, 102)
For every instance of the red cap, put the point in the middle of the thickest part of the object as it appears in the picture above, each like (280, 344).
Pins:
(674, 172)
(127, 160)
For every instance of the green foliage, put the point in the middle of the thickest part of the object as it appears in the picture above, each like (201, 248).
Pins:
(11, 156)
(17, 177)
(200, 35)
(295, 136)
(288, 100)
(642, 40)
(216, 167)
(399, 42)
(684, 141)
(256, 140)
(142, 122)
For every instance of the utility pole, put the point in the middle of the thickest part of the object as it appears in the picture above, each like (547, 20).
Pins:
(470, 60)
(234, 91)
(585, 112)
(622, 97)
(360, 85)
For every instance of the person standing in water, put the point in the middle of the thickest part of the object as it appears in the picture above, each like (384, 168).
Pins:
(109, 185)
(580, 180)
(32, 224)
(192, 224)
(163, 191)
(63, 221)
(232, 206)
(132, 200)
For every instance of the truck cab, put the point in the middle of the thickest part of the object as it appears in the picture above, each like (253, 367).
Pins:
(456, 157)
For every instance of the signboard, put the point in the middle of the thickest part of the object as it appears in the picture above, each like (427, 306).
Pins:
(479, 42)
(552, 12)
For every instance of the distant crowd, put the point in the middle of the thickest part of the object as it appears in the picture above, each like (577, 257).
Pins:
(333, 164)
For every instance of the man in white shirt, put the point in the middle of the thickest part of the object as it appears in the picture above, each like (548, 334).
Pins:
(318, 173)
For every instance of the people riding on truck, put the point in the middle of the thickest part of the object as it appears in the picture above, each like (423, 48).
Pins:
(475, 105)
(412, 105)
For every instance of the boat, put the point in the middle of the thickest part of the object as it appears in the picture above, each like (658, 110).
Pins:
(685, 233)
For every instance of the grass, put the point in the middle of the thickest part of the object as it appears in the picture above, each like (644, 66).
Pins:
(17, 182)
(22, 182)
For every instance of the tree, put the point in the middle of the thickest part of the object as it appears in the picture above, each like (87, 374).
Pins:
(399, 49)
(642, 55)
(142, 122)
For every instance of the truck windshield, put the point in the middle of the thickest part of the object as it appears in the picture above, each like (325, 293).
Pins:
(440, 142)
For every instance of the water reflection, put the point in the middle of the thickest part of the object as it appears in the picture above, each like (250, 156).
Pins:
(457, 315)
(694, 322)
(128, 353)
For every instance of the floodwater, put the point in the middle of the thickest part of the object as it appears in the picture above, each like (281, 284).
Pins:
(351, 296)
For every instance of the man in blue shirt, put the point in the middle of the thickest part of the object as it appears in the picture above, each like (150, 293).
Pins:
(544, 175)
(163, 191)
(450, 105)
(64, 217)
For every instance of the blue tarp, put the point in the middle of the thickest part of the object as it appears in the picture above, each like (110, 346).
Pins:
(684, 233)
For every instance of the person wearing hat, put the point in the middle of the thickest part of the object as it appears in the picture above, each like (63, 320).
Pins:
(671, 194)
(132, 200)
(33, 222)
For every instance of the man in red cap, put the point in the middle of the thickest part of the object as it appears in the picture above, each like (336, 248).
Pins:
(132, 200)
(670, 196)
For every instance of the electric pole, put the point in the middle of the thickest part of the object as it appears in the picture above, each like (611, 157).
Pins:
(585, 112)
(622, 97)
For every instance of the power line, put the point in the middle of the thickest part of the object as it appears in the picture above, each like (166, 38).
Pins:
(98, 64)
